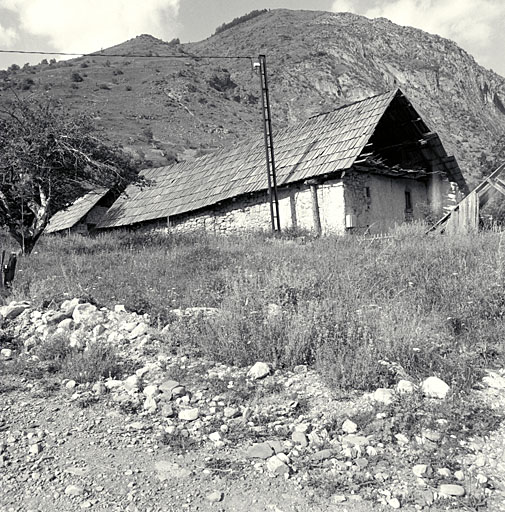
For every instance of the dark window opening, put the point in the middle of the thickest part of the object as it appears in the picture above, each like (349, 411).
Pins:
(367, 192)
(408, 201)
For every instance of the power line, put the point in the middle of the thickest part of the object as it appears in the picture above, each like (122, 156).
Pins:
(132, 56)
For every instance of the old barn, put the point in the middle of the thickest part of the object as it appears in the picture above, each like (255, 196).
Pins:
(361, 168)
(83, 215)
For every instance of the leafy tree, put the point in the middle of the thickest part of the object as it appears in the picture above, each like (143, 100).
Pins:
(49, 157)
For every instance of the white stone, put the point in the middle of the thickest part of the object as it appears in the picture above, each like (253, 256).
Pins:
(13, 310)
(119, 308)
(215, 436)
(402, 439)
(277, 466)
(150, 404)
(215, 497)
(6, 353)
(71, 384)
(349, 427)
(82, 312)
(132, 383)
(112, 384)
(138, 331)
(420, 469)
(383, 395)
(74, 490)
(433, 387)
(394, 503)
(459, 475)
(189, 414)
(405, 387)
(451, 490)
(151, 391)
(259, 370)
(494, 380)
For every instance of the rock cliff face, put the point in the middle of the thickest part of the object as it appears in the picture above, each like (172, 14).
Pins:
(181, 107)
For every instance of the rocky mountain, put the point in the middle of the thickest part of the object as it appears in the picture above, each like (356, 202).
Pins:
(180, 107)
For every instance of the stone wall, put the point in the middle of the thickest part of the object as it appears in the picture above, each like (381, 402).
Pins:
(252, 213)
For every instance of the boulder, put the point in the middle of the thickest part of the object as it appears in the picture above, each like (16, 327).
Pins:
(433, 387)
(259, 370)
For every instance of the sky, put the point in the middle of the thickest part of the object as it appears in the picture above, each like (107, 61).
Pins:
(88, 25)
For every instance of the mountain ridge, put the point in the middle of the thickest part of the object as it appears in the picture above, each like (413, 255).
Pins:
(178, 108)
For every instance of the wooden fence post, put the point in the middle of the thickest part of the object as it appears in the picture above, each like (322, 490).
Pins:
(8, 270)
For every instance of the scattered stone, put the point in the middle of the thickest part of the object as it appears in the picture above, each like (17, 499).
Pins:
(74, 490)
(405, 387)
(339, 498)
(71, 384)
(13, 310)
(451, 490)
(167, 411)
(354, 440)
(215, 497)
(494, 380)
(99, 388)
(349, 427)
(189, 414)
(151, 391)
(259, 370)
(215, 436)
(383, 395)
(35, 449)
(459, 475)
(231, 412)
(277, 465)
(138, 331)
(6, 353)
(482, 479)
(82, 312)
(433, 387)
(260, 451)
(444, 472)
(300, 438)
(394, 503)
(421, 470)
(402, 439)
(431, 435)
(321, 455)
(168, 386)
(276, 446)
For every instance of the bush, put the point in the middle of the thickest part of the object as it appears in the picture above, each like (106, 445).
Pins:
(76, 77)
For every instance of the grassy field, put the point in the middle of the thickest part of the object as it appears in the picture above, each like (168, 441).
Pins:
(363, 312)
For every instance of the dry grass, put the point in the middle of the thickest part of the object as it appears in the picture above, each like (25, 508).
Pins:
(422, 305)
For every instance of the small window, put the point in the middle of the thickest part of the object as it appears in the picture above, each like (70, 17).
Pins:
(408, 201)
(367, 192)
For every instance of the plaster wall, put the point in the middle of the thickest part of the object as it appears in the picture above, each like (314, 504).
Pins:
(252, 213)
(385, 204)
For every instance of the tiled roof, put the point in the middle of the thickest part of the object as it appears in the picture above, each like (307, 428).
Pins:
(321, 145)
(70, 216)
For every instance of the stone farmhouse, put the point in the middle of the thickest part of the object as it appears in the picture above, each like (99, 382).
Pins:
(362, 168)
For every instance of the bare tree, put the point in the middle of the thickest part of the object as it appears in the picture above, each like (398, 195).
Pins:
(48, 158)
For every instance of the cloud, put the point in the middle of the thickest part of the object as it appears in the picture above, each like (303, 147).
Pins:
(471, 23)
(88, 25)
(7, 36)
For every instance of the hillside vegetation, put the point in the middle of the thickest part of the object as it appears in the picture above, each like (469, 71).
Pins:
(419, 305)
(177, 108)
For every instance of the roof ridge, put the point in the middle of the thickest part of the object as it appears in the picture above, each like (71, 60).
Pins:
(389, 92)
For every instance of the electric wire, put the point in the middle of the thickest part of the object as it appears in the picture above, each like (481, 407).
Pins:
(131, 56)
